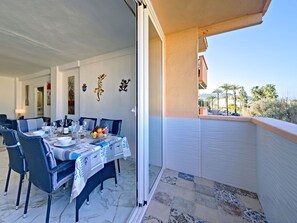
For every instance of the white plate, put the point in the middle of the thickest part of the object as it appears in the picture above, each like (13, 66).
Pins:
(38, 133)
(60, 145)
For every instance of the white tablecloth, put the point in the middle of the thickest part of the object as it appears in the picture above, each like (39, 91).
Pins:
(90, 157)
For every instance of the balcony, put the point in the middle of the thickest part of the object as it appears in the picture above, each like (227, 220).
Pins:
(202, 73)
(255, 154)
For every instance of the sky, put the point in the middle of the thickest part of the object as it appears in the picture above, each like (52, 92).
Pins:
(257, 55)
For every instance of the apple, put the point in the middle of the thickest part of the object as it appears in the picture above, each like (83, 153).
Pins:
(99, 135)
(105, 131)
(99, 130)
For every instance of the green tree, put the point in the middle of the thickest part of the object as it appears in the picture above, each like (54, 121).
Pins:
(211, 99)
(226, 88)
(243, 97)
(218, 91)
(278, 109)
(257, 93)
(267, 91)
(235, 88)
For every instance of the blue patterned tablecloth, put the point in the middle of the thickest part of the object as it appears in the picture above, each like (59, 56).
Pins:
(90, 157)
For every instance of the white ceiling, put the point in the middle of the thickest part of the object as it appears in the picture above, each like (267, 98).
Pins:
(38, 34)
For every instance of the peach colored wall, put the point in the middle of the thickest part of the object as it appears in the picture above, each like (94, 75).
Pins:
(181, 74)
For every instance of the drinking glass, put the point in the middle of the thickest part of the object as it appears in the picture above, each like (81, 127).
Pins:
(54, 127)
(85, 125)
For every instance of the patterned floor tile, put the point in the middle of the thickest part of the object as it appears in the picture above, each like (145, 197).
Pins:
(203, 181)
(206, 213)
(203, 189)
(163, 198)
(229, 202)
(151, 219)
(187, 198)
(254, 216)
(252, 203)
(180, 217)
(205, 200)
(183, 205)
(158, 211)
(185, 176)
(189, 185)
(221, 186)
(169, 180)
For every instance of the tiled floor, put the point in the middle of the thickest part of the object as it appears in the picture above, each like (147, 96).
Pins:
(114, 204)
(183, 198)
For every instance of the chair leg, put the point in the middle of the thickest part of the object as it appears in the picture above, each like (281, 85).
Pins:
(7, 181)
(48, 211)
(119, 169)
(19, 191)
(76, 214)
(27, 200)
(115, 174)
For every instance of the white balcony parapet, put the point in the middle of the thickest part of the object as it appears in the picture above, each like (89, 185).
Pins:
(256, 154)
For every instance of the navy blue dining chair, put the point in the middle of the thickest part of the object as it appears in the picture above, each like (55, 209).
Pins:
(91, 122)
(30, 124)
(44, 172)
(114, 127)
(16, 158)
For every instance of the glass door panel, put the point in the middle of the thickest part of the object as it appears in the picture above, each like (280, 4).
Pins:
(155, 104)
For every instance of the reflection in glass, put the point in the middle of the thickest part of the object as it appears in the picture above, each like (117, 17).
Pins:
(155, 104)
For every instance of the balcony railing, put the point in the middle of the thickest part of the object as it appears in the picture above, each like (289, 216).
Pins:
(202, 73)
(256, 154)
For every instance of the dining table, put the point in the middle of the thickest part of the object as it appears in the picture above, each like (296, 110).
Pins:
(94, 161)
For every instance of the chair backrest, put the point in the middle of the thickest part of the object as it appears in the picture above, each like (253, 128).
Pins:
(114, 126)
(91, 122)
(40, 160)
(3, 118)
(30, 124)
(17, 161)
(68, 122)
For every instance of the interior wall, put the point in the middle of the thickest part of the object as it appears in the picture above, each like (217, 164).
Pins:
(34, 83)
(113, 104)
(7, 99)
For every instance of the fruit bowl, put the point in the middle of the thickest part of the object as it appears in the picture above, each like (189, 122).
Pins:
(98, 132)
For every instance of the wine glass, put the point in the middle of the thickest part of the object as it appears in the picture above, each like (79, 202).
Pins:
(54, 127)
(85, 125)
(61, 122)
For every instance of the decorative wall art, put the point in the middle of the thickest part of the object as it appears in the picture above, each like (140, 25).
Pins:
(71, 96)
(98, 90)
(84, 87)
(27, 95)
(48, 93)
(124, 85)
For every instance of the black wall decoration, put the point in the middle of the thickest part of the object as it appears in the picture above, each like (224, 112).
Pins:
(124, 85)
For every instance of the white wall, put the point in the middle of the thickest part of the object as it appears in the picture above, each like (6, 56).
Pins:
(181, 145)
(113, 104)
(277, 176)
(7, 98)
(34, 83)
(229, 152)
(224, 151)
